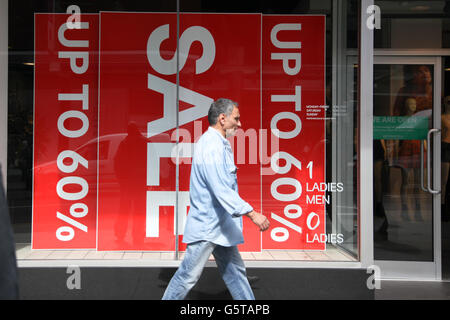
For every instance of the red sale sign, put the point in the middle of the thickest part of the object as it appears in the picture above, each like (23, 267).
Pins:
(293, 98)
(273, 66)
(217, 58)
(65, 132)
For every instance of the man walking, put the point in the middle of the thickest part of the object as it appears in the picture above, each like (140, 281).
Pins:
(214, 222)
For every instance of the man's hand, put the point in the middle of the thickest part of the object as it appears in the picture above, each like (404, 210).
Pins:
(260, 220)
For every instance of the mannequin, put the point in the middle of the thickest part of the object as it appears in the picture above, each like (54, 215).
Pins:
(445, 157)
(415, 96)
(409, 160)
(418, 85)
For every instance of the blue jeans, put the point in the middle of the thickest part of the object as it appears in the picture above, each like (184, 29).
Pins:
(230, 265)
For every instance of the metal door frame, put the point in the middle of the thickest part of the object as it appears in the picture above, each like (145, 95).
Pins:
(417, 269)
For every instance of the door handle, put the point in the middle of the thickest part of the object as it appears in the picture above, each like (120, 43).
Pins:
(429, 148)
(421, 167)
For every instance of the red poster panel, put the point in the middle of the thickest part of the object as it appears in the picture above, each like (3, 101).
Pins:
(293, 99)
(65, 132)
(137, 118)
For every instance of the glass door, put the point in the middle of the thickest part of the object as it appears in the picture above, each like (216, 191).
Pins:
(406, 165)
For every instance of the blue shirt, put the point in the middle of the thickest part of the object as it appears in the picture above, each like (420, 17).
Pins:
(216, 207)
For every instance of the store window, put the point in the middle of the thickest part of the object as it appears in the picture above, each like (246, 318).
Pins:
(102, 161)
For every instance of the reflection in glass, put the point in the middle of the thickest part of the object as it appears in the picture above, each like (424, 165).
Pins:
(403, 100)
(123, 146)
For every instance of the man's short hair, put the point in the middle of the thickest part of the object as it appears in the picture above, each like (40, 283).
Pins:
(218, 107)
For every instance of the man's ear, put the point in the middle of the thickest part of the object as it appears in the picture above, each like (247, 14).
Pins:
(222, 118)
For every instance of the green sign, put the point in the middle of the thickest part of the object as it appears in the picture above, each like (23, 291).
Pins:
(400, 128)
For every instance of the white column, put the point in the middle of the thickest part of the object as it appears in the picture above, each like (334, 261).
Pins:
(3, 88)
(366, 137)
